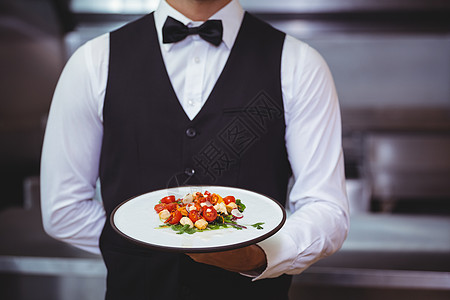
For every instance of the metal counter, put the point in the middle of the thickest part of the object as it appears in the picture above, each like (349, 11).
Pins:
(381, 251)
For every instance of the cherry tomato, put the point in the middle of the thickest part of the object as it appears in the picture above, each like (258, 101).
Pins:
(214, 199)
(171, 206)
(160, 207)
(194, 215)
(200, 200)
(207, 198)
(209, 213)
(229, 199)
(175, 217)
(168, 199)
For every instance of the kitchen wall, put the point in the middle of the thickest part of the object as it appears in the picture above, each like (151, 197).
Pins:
(385, 56)
(382, 53)
(385, 70)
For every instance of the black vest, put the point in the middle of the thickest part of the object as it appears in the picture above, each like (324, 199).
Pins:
(149, 143)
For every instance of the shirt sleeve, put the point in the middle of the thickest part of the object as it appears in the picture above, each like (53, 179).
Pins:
(71, 150)
(319, 219)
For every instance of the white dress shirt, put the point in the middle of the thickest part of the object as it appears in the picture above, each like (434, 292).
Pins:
(319, 219)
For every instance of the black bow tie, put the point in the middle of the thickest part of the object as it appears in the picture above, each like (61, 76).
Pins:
(175, 31)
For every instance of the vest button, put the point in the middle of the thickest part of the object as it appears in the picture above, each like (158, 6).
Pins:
(189, 172)
(191, 132)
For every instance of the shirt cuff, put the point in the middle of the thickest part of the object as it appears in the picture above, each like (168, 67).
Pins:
(281, 252)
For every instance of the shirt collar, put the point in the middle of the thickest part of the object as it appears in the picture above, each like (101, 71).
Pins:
(231, 15)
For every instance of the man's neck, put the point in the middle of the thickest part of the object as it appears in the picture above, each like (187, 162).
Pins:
(198, 10)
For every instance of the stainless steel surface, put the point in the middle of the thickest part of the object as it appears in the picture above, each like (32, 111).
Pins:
(358, 196)
(281, 6)
(402, 235)
(373, 278)
(400, 166)
(53, 266)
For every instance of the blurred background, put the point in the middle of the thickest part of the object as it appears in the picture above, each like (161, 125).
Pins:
(391, 63)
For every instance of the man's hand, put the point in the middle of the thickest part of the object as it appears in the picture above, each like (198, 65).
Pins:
(242, 260)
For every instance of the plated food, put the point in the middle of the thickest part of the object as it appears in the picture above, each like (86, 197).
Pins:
(197, 211)
(136, 220)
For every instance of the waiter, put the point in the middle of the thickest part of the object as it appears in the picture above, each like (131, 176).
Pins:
(170, 98)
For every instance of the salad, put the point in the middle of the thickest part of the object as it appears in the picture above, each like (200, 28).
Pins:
(201, 211)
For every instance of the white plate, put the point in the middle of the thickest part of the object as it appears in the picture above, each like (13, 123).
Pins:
(136, 220)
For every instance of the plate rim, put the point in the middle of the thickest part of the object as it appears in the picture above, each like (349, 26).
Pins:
(198, 249)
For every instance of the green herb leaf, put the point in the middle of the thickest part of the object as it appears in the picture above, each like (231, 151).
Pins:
(240, 205)
(258, 225)
(183, 229)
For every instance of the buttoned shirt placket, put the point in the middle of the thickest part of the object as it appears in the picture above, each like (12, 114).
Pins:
(194, 95)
